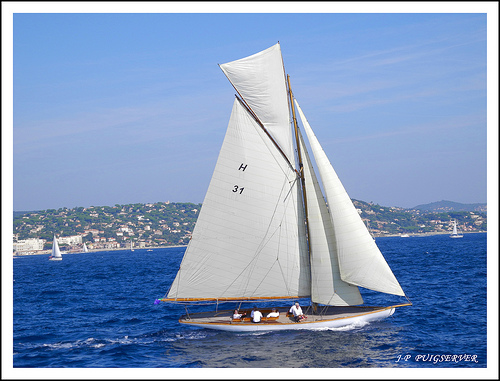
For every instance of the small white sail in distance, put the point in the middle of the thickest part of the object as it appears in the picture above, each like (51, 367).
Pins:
(56, 253)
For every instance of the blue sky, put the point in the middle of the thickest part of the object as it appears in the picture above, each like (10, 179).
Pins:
(119, 108)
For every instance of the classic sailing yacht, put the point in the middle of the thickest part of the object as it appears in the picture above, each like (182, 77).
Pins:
(56, 253)
(265, 232)
(455, 234)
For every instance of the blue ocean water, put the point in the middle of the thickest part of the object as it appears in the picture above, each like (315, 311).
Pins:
(96, 310)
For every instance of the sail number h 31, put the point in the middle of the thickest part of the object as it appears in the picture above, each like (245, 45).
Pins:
(237, 188)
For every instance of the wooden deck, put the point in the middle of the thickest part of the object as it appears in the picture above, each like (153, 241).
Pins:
(323, 313)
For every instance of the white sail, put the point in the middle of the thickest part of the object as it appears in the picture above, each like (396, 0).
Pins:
(246, 242)
(326, 285)
(85, 250)
(56, 253)
(361, 262)
(260, 80)
(455, 234)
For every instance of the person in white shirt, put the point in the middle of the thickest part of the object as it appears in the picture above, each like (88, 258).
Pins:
(256, 315)
(237, 315)
(297, 312)
(274, 313)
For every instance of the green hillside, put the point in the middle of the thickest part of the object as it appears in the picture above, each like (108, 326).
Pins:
(167, 224)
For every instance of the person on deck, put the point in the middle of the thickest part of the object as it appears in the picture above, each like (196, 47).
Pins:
(274, 313)
(237, 315)
(297, 312)
(256, 315)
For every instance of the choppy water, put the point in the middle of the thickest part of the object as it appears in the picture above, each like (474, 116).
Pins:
(96, 310)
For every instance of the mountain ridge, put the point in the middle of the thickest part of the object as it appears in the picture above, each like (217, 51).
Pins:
(443, 205)
(166, 223)
(451, 206)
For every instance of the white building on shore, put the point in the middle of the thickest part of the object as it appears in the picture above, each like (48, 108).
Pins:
(71, 240)
(35, 245)
(27, 245)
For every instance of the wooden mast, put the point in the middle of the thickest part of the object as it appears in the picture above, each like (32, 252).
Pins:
(301, 174)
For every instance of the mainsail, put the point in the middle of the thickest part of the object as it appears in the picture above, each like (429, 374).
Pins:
(246, 243)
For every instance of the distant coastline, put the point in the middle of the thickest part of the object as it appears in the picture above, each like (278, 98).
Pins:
(48, 252)
(166, 224)
(425, 234)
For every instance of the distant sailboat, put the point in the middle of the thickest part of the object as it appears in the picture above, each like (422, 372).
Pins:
(266, 232)
(131, 245)
(455, 234)
(56, 253)
(85, 250)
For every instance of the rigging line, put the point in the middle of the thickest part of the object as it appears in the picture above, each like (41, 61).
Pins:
(263, 243)
(273, 153)
(291, 188)
(252, 113)
(250, 266)
(267, 236)
(277, 260)
(266, 274)
(409, 301)
(283, 275)
(286, 281)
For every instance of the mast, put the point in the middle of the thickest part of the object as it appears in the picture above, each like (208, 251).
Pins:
(301, 174)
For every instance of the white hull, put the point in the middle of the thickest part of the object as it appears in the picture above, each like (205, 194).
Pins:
(456, 236)
(222, 321)
(55, 259)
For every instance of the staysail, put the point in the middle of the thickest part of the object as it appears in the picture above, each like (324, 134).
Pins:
(247, 240)
(326, 285)
(360, 260)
